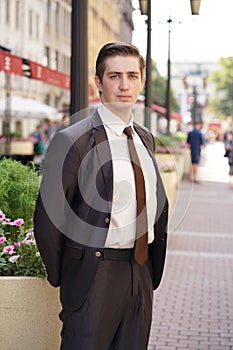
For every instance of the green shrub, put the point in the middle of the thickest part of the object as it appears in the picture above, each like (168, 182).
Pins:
(19, 186)
(179, 136)
(164, 140)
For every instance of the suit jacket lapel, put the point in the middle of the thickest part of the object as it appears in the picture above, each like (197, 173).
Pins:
(161, 194)
(103, 154)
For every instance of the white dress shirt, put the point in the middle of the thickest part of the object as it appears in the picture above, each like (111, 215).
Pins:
(122, 229)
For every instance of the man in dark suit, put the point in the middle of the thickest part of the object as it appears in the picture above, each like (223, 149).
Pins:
(87, 215)
(196, 141)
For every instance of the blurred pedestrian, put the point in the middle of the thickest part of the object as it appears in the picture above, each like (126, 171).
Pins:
(65, 122)
(195, 140)
(101, 229)
(229, 151)
(38, 147)
(51, 129)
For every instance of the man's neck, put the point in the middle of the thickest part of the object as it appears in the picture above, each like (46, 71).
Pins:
(124, 112)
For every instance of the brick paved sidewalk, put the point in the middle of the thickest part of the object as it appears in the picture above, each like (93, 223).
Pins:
(193, 307)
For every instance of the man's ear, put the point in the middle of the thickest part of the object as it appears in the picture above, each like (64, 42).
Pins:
(143, 81)
(98, 83)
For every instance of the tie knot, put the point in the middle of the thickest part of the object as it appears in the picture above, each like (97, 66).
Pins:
(129, 132)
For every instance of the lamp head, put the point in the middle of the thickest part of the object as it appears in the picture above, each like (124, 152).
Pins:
(195, 6)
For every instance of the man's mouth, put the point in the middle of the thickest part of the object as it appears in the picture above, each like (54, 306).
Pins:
(124, 97)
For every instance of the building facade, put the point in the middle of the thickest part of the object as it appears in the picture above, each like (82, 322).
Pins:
(40, 31)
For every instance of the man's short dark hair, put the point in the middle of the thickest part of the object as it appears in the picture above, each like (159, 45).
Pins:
(117, 49)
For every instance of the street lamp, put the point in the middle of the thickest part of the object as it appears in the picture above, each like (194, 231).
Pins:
(79, 57)
(168, 91)
(195, 6)
(145, 8)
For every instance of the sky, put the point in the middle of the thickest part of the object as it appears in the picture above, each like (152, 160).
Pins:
(193, 38)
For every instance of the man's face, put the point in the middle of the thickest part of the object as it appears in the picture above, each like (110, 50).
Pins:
(121, 83)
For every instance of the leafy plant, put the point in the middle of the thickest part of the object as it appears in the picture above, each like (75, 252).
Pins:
(19, 185)
(171, 144)
(15, 134)
(19, 255)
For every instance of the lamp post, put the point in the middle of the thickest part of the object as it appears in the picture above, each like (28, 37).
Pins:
(168, 90)
(6, 125)
(79, 57)
(145, 8)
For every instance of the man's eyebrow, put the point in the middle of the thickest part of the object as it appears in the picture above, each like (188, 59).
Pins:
(130, 72)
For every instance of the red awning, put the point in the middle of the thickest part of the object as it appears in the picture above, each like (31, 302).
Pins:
(162, 110)
(215, 125)
(10, 63)
(49, 75)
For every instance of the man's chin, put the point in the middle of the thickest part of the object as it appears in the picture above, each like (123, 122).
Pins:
(119, 106)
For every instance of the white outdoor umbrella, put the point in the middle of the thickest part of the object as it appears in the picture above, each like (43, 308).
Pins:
(21, 107)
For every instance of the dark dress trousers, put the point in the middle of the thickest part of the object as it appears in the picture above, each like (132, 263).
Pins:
(73, 208)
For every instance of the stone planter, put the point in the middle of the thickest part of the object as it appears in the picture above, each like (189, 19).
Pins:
(181, 161)
(187, 164)
(29, 309)
(22, 147)
(165, 158)
(19, 147)
(180, 165)
(170, 184)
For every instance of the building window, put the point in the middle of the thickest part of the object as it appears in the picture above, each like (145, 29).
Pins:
(47, 11)
(47, 99)
(46, 56)
(66, 65)
(56, 60)
(30, 23)
(56, 16)
(67, 24)
(7, 11)
(37, 26)
(17, 15)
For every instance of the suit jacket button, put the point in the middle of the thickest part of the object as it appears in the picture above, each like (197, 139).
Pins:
(106, 220)
(98, 254)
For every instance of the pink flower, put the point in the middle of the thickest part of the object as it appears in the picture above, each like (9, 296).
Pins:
(8, 249)
(30, 233)
(28, 241)
(6, 222)
(2, 239)
(2, 215)
(14, 258)
(16, 243)
(18, 222)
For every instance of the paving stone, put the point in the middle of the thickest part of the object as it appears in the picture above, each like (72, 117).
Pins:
(193, 307)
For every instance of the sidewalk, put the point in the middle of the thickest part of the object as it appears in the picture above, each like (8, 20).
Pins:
(193, 307)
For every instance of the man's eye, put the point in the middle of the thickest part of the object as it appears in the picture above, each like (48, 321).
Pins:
(115, 76)
(133, 76)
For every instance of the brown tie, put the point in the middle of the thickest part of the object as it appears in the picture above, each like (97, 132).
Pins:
(141, 245)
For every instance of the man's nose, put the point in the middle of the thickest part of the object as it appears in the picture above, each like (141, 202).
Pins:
(124, 84)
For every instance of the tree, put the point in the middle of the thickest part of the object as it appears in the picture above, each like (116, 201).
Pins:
(222, 103)
(158, 86)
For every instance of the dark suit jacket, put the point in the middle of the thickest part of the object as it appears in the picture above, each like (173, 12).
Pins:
(73, 208)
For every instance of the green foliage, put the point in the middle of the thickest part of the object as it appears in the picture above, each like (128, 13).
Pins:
(19, 185)
(164, 140)
(179, 136)
(15, 134)
(175, 143)
(159, 86)
(222, 103)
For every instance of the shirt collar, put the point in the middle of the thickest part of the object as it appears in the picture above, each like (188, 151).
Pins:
(112, 121)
